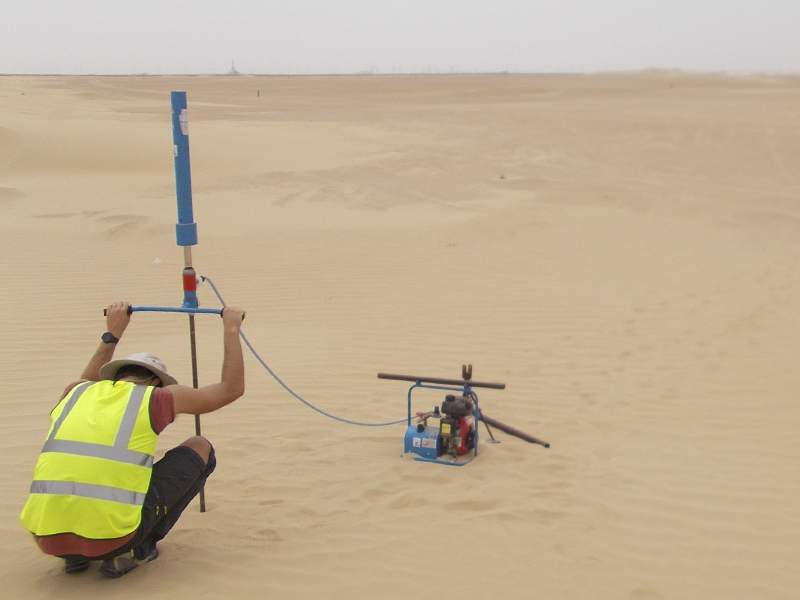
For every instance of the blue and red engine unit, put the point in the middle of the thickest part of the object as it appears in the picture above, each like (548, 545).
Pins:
(453, 439)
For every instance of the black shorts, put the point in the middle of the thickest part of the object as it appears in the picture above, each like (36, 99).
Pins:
(179, 472)
(176, 479)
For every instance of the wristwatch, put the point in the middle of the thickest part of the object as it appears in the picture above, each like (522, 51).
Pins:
(109, 338)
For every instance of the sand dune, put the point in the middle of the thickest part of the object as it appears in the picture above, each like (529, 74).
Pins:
(620, 250)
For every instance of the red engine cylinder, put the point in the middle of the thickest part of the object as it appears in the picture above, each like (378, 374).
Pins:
(463, 431)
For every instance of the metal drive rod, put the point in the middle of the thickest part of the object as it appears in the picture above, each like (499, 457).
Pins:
(197, 431)
(462, 382)
(511, 430)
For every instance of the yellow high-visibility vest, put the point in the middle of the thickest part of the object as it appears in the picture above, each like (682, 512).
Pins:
(94, 469)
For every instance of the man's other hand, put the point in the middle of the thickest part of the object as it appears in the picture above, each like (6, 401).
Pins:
(232, 318)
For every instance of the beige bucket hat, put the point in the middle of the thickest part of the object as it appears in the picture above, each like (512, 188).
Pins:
(143, 359)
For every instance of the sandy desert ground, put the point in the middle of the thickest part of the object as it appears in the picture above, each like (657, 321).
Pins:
(620, 250)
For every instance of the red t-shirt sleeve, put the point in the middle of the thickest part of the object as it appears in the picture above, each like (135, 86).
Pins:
(162, 409)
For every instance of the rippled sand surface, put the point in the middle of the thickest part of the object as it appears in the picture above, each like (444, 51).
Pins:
(621, 251)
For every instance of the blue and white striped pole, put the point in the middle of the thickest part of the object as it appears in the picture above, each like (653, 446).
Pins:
(186, 228)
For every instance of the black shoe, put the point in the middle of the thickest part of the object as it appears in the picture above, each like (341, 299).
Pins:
(146, 551)
(125, 563)
(119, 565)
(76, 564)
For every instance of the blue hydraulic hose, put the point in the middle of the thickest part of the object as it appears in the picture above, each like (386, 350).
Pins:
(286, 387)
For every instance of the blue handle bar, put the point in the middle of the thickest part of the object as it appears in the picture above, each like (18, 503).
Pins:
(177, 309)
(174, 309)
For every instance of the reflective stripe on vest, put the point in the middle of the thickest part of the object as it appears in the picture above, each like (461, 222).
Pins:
(87, 490)
(119, 451)
(94, 470)
(110, 452)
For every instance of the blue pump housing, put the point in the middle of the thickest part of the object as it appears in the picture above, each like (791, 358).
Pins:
(425, 445)
(422, 443)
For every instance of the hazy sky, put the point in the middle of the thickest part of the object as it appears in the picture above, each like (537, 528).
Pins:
(343, 36)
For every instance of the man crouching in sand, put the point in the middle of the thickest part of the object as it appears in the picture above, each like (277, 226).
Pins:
(96, 494)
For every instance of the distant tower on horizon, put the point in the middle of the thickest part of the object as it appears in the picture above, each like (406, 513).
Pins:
(233, 70)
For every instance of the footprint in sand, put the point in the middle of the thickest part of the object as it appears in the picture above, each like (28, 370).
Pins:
(9, 194)
(123, 225)
(56, 215)
(270, 502)
(643, 593)
(123, 219)
(268, 534)
(65, 215)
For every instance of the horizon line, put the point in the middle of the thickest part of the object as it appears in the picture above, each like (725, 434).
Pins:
(370, 73)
